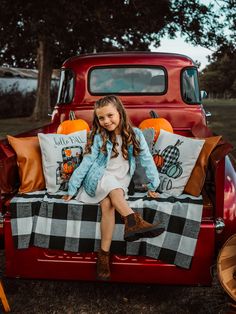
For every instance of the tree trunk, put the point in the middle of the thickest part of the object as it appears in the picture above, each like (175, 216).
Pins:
(42, 104)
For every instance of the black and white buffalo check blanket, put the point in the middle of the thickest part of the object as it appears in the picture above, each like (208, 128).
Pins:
(44, 220)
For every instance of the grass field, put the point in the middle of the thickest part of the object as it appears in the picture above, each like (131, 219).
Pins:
(222, 120)
(219, 102)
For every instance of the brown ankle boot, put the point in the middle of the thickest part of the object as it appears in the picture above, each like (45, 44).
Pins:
(103, 265)
(136, 228)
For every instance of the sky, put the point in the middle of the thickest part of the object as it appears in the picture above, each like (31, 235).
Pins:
(178, 45)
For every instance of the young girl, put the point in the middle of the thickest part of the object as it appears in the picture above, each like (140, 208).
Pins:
(105, 173)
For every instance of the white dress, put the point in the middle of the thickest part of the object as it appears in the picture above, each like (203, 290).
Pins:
(116, 175)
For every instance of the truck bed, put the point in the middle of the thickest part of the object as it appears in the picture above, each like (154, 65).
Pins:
(36, 262)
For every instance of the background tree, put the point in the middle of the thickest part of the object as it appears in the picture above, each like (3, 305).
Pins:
(45, 33)
(219, 78)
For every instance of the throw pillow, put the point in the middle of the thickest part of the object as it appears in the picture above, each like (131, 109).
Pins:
(29, 163)
(177, 157)
(61, 154)
(149, 135)
(139, 177)
(196, 181)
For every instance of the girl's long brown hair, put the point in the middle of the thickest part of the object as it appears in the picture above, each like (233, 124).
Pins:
(127, 133)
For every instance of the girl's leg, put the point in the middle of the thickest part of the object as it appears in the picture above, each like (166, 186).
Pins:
(135, 226)
(107, 223)
(107, 227)
(119, 202)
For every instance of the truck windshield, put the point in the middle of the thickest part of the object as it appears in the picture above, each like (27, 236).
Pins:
(66, 86)
(127, 80)
(189, 86)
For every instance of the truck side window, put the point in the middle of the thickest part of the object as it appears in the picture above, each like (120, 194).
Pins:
(189, 86)
(127, 80)
(66, 86)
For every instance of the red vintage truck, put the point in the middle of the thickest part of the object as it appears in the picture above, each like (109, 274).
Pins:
(162, 82)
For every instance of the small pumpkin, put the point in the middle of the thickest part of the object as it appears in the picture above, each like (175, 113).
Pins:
(156, 123)
(68, 168)
(159, 160)
(68, 152)
(72, 125)
(174, 171)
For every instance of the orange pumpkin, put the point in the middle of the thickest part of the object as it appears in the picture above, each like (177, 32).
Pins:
(159, 160)
(68, 168)
(156, 123)
(72, 125)
(68, 152)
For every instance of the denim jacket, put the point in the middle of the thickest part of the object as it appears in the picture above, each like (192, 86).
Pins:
(93, 165)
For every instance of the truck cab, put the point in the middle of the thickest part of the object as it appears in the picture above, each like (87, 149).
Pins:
(167, 83)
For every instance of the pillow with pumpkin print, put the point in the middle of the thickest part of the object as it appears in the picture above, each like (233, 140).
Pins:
(139, 178)
(175, 156)
(61, 155)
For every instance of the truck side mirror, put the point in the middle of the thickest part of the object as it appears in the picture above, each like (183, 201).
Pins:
(203, 94)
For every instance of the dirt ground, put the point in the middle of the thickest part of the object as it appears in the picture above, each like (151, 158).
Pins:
(71, 297)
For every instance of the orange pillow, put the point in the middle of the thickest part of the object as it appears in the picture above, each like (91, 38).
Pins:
(29, 162)
(196, 181)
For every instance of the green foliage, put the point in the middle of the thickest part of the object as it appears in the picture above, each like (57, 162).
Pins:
(219, 78)
(45, 33)
(75, 27)
(14, 103)
(227, 9)
(197, 22)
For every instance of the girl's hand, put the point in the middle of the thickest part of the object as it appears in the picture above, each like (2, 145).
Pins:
(152, 194)
(67, 197)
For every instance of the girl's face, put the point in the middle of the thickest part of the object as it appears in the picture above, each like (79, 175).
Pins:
(109, 118)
